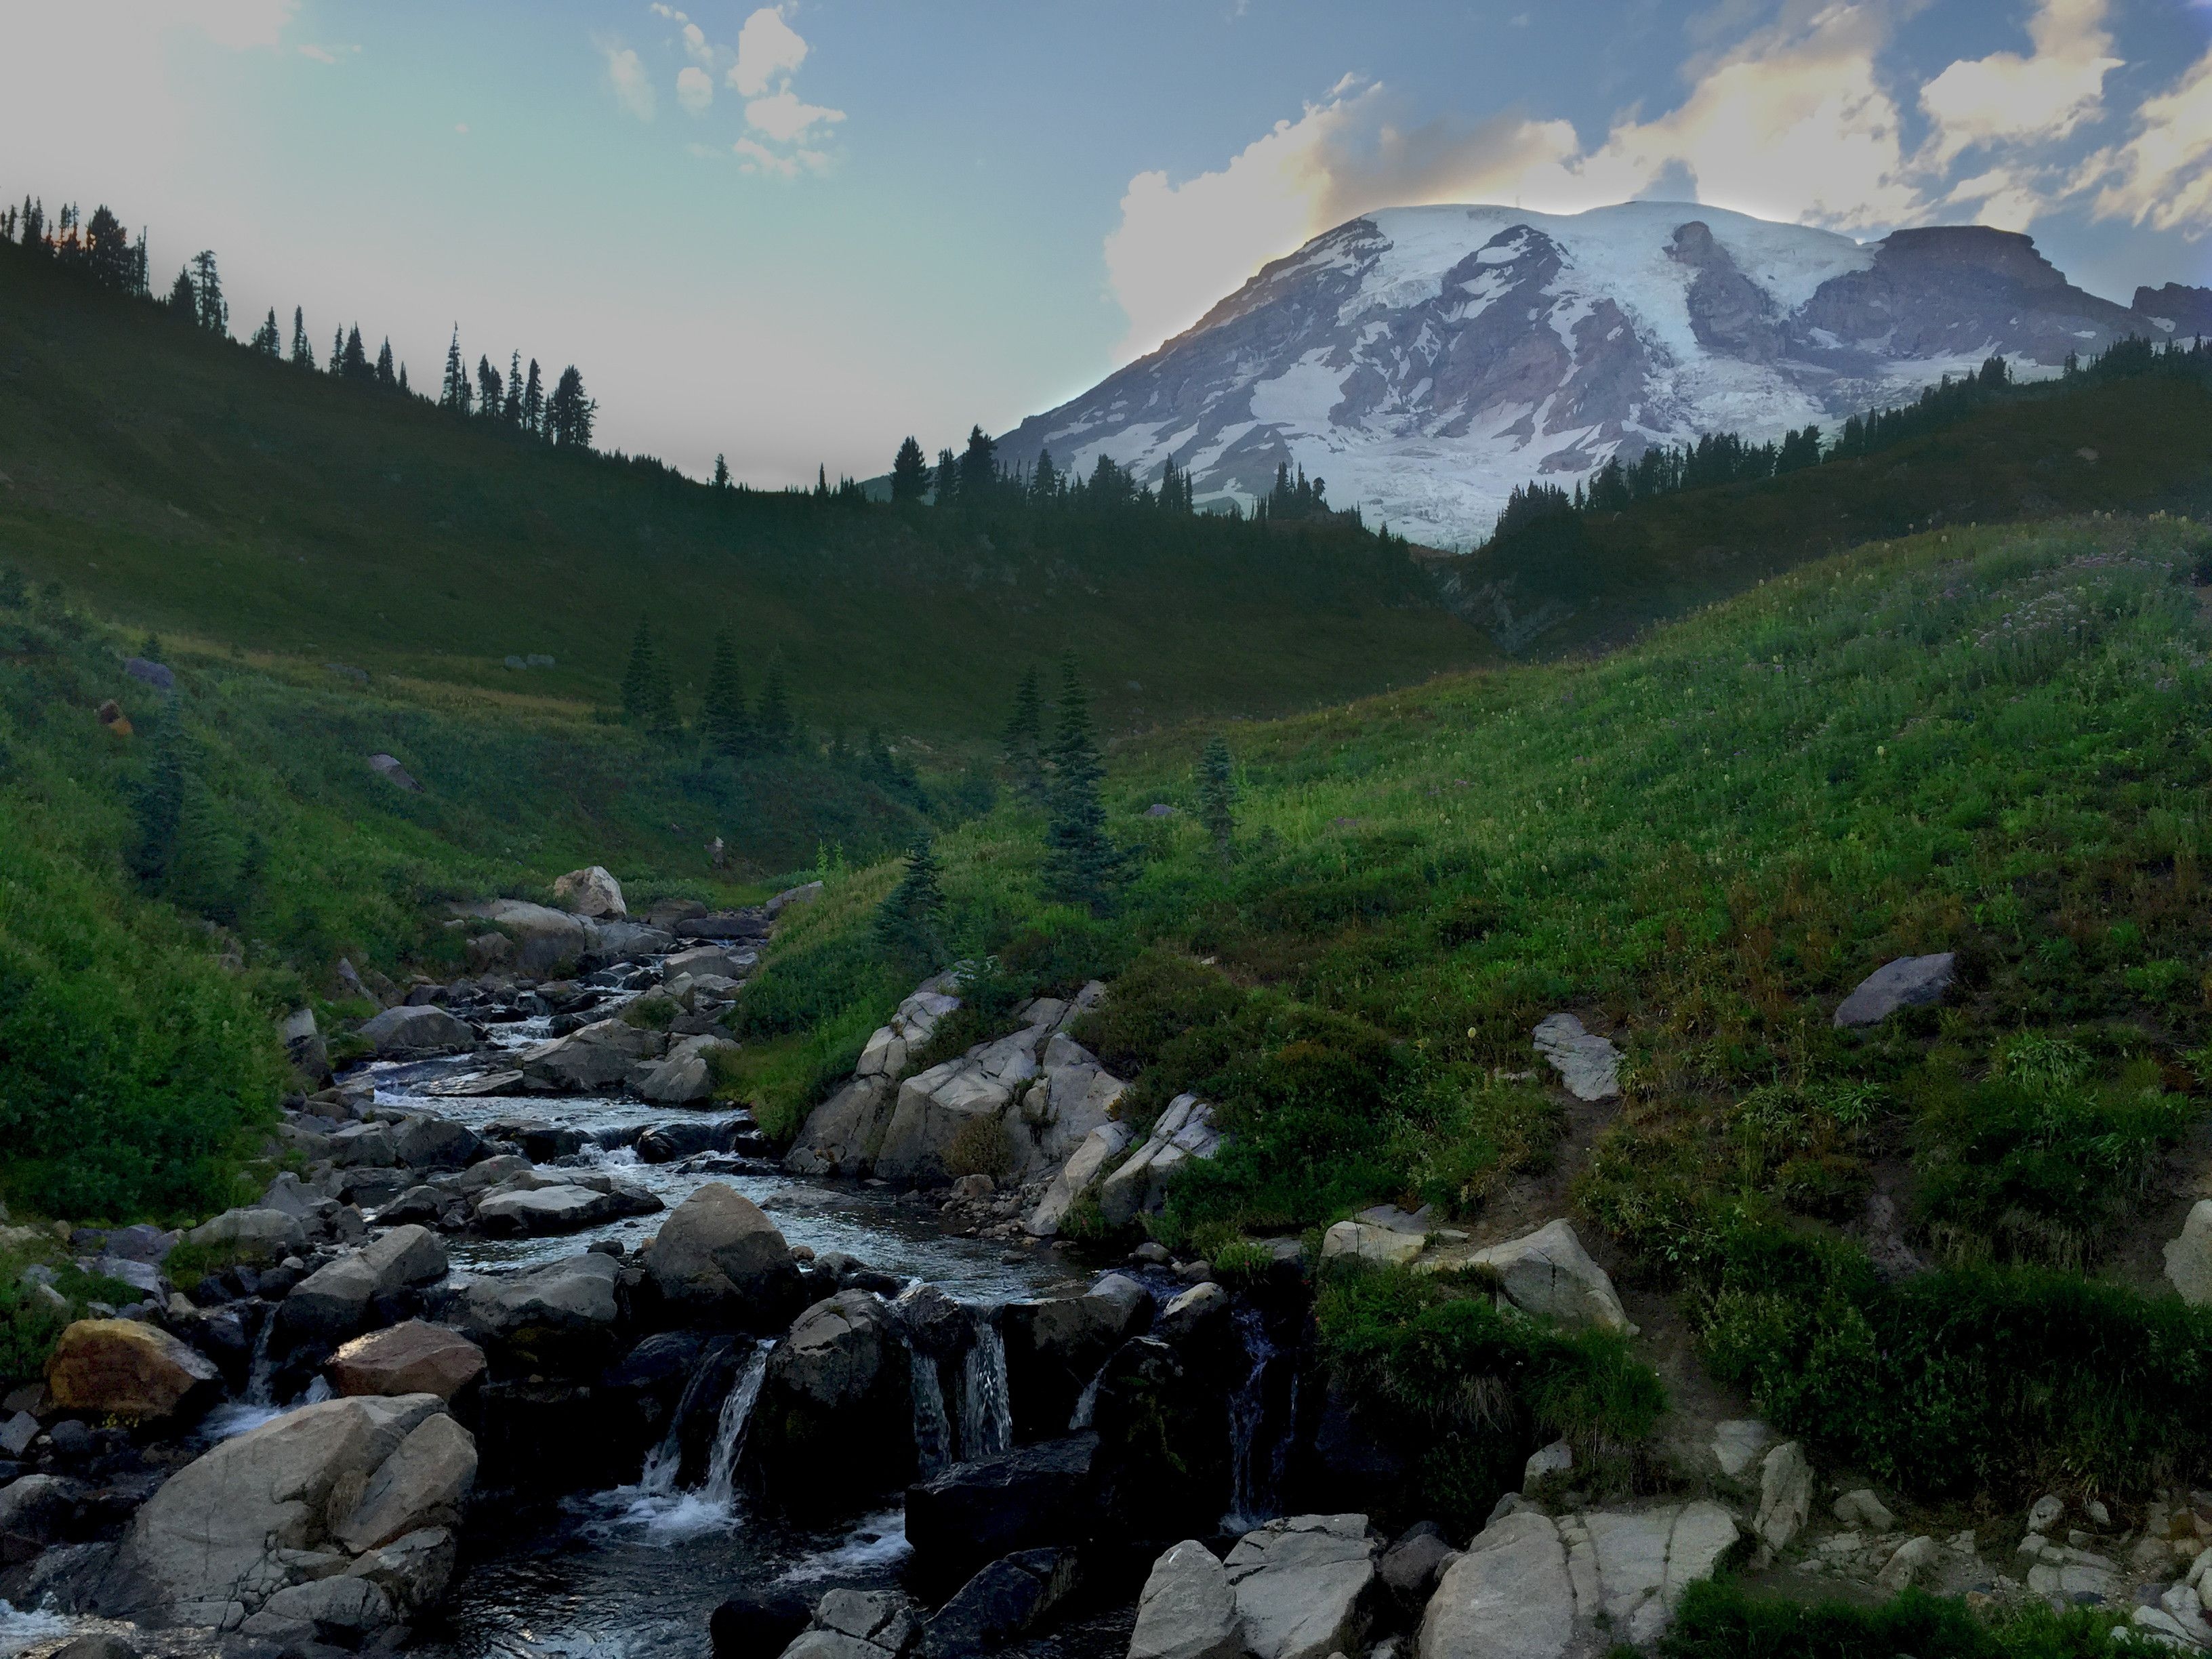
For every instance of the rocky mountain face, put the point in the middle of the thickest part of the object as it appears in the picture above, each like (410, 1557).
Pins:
(1425, 360)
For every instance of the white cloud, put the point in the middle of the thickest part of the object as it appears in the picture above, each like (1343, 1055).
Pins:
(695, 88)
(321, 54)
(238, 24)
(769, 49)
(633, 86)
(2161, 175)
(2007, 97)
(783, 117)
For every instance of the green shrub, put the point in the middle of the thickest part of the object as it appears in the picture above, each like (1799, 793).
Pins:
(1477, 1386)
(2007, 1380)
(1721, 1620)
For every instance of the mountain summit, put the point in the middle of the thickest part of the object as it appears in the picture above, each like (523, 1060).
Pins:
(1425, 360)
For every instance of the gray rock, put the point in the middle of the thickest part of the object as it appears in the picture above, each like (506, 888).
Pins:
(362, 1147)
(1548, 1272)
(1558, 1458)
(1184, 1131)
(1192, 1312)
(434, 1143)
(1187, 1609)
(1861, 1510)
(2188, 1258)
(388, 767)
(1076, 1178)
(546, 940)
(1785, 1495)
(2046, 1512)
(1913, 1560)
(718, 1254)
(545, 1208)
(597, 1057)
(40, 1507)
(573, 1297)
(1300, 1585)
(259, 1237)
(1410, 1566)
(339, 1610)
(1531, 1588)
(1002, 1602)
(273, 1509)
(1907, 982)
(1587, 1065)
(591, 892)
(1737, 1444)
(408, 1029)
(804, 893)
(1360, 1241)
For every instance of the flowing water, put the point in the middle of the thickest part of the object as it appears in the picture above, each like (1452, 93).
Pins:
(634, 1573)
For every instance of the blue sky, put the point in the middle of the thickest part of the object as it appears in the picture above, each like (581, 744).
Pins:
(794, 233)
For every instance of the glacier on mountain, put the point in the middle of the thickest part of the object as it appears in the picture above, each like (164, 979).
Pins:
(1425, 360)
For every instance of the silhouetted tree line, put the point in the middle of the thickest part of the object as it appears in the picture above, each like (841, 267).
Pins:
(103, 252)
(1728, 458)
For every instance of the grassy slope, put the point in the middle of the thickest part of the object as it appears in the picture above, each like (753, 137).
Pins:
(1988, 741)
(2129, 445)
(184, 485)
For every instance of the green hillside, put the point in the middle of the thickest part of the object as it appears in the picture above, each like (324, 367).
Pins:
(1990, 741)
(179, 482)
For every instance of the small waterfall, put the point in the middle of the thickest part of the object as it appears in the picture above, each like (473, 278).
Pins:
(986, 1416)
(664, 1464)
(1086, 1403)
(720, 1489)
(1255, 1470)
(261, 1370)
(932, 1432)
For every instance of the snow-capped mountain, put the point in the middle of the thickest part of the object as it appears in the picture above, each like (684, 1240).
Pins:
(1425, 360)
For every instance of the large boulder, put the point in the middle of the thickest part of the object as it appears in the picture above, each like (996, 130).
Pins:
(546, 940)
(1907, 982)
(408, 1031)
(685, 1076)
(833, 1423)
(1001, 1603)
(534, 1205)
(2188, 1258)
(259, 1238)
(324, 1492)
(590, 892)
(1183, 1132)
(599, 1056)
(1587, 1065)
(718, 1257)
(1162, 1412)
(1056, 1346)
(333, 1301)
(1031, 1497)
(844, 1131)
(410, 1359)
(1533, 1587)
(565, 1309)
(1301, 1586)
(1187, 1609)
(1785, 1495)
(1073, 1096)
(1076, 1178)
(957, 1101)
(1548, 1272)
(434, 1143)
(852, 1624)
(135, 1373)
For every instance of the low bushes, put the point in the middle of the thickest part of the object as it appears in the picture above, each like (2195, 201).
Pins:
(2007, 1380)
(1720, 1621)
(1476, 1388)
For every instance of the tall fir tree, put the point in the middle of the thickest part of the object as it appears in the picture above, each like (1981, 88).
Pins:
(184, 299)
(206, 286)
(978, 467)
(728, 722)
(353, 363)
(1024, 738)
(774, 728)
(266, 340)
(387, 374)
(1082, 865)
(533, 402)
(1216, 795)
(453, 394)
(910, 473)
(303, 353)
(568, 412)
(907, 923)
(488, 388)
(643, 677)
(511, 412)
(721, 471)
(946, 482)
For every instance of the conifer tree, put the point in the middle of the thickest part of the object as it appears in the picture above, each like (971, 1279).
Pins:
(511, 412)
(184, 300)
(1082, 865)
(214, 309)
(488, 388)
(979, 466)
(403, 380)
(773, 727)
(907, 923)
(947, 482)
(910, 473)
(724, 716)
(1044, 480)
(641, 678)
(303, 355)
(386, 375)
(1217, 794)
(266, 340)
(453, 394)
(1024, 738)
(568, 412)
(820, 481)
(533, 403)
(721, 472)
(354, 364)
